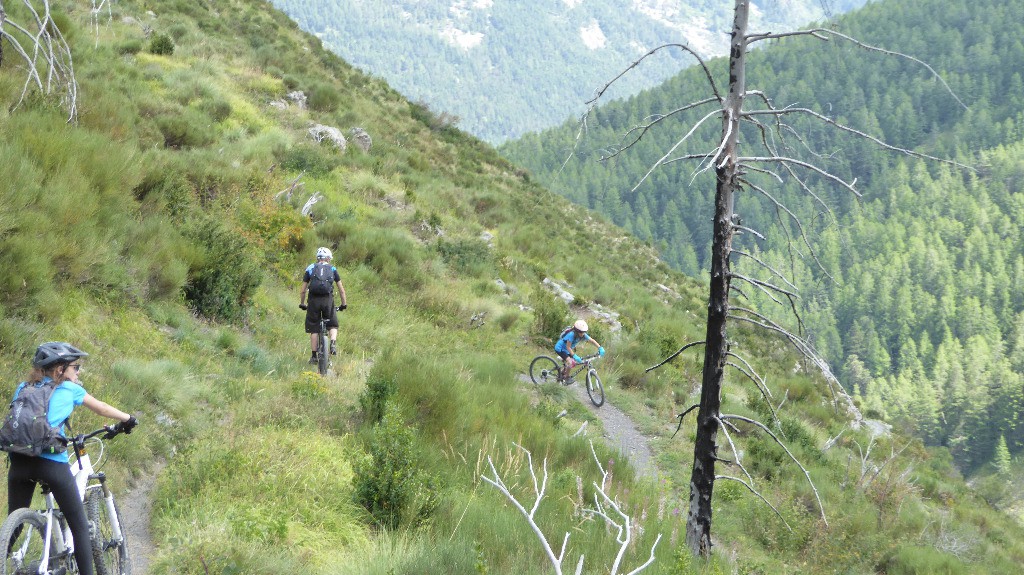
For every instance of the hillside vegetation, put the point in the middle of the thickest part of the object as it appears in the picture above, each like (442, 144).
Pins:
(163, 233)
(917, 301)
(502, 69)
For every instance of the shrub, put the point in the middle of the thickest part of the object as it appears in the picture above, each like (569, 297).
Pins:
(380, 388)
(469, 256)
(186, 128)
(550, 314)
(323, 98)
(388, 482)
(128, 47)
(161, 45)
(225, 272)
(314, 160)
(218, 109)
(507, 320)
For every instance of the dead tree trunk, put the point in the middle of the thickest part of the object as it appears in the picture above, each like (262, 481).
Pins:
(778, 161)
(705, 452)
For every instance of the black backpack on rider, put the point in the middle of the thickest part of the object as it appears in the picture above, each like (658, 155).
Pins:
(26, 430)
(321, 279)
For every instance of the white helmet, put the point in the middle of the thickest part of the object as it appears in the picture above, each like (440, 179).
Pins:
(323, 254)
(581, 325)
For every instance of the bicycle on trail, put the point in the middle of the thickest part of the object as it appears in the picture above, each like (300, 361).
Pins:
(39, 541)
(546, 369)
(323, 353)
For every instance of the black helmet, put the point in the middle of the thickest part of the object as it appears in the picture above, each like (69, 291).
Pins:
(54, 352)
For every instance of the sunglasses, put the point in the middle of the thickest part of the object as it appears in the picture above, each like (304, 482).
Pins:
(75, 366)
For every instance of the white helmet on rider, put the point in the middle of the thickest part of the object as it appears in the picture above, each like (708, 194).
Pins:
(323, 254)
(580, 325)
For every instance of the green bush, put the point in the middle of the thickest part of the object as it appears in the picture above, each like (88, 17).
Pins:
(323, 98)
(469, 256)
(186, 128)
(550, 314)
(314, 160)
(128, 47)
(161, 45)
(225, 273)
(218, 109)
(388, 482)
(380, 388)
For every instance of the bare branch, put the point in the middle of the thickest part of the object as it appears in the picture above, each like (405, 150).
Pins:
(764, 265)
(761, 497)
(681, 416)
(674, 355)
(707, 73)
(644, 128)
(821, 33)
(845, 128)
(779, 206)
(806, 165)
(735, 452)
(45, 52)
(764, 284)
(673, 148)
(789, 453)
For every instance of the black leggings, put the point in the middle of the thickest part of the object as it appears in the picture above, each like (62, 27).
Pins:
(26, 472)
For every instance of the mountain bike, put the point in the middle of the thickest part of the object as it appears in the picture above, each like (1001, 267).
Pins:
(323, 347)
(39, 541)
(546, 369)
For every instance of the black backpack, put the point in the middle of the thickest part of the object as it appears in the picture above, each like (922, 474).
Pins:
(321, 279)
(25, 429)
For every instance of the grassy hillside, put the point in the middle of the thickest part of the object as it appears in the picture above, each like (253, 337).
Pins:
(163, 233)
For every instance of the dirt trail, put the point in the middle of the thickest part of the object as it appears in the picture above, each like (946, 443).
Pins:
(621, 433)
(136, 505)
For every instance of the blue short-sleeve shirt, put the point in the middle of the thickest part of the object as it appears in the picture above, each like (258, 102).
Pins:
(571, 339)
(65, 398)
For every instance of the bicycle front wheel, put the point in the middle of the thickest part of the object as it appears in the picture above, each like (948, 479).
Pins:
(594, 388)
(23, 535)
(323, 354)
(109, 552)
(544, 369)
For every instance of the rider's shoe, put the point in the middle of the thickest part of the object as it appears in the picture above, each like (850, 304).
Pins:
(334, 348)
(312, 358)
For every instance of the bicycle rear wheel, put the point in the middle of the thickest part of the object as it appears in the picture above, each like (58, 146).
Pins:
(23, 534)
(544, 369)
(594, 388)
(323, 357)
(109, 553)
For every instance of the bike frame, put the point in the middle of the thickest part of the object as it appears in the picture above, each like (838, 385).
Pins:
(85, 474)
(586, 364)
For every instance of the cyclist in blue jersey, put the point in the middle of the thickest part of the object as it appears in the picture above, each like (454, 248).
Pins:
(319, 280)
(565, 347)
(58, 364)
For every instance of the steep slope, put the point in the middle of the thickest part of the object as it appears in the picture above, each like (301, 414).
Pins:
(917, 306)
(507, 68)
(171, 220)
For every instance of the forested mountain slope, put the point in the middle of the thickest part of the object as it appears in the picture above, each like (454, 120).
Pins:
(924, 317)
(164, 229)
(507, 68)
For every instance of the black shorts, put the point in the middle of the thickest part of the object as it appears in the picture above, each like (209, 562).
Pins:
(318, 305)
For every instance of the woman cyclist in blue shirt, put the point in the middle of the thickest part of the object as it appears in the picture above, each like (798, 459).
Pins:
(565, 347)
(59, 362)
